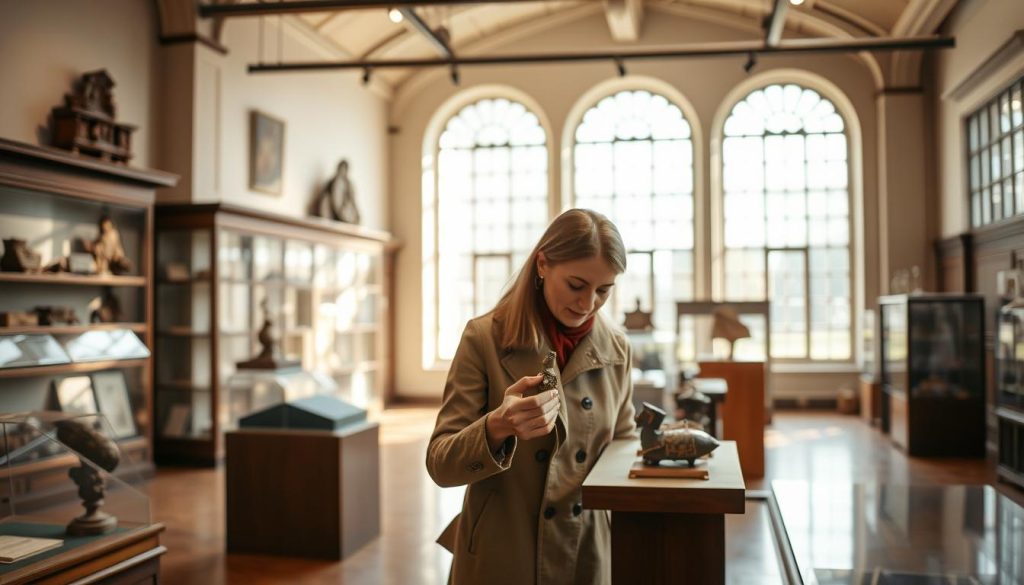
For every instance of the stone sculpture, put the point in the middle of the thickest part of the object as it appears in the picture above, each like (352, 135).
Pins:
(108, 250)
(338, 198)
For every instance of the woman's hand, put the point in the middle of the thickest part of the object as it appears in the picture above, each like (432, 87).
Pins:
(523, 418)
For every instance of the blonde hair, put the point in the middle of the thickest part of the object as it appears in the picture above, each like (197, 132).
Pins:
(575, 234)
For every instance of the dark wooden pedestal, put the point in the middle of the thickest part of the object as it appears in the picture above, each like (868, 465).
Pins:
(666, 530)
(313, 494)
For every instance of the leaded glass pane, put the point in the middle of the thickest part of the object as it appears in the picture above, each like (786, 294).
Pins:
(787, 219)
(492, 206)
(633, 161)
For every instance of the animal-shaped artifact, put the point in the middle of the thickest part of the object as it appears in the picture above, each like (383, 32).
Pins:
(672, 444)
(550, 381)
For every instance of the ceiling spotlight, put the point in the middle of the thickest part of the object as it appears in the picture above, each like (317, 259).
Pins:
(366, 76)
(751, 61)
(621, 67)
(456, 79)
(796, 2)
(395, 15)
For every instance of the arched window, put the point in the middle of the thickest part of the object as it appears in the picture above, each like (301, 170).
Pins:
(633, 161)
(786, 214)
(492, 206)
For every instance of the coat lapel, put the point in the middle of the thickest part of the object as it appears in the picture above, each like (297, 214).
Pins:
(596, 350)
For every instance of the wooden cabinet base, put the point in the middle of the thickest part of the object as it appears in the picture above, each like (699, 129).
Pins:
(742, 413)
(313, 494)
(668, 548)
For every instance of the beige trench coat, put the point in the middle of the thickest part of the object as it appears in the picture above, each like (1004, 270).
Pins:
(522, 521)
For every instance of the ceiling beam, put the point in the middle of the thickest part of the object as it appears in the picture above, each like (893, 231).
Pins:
(775, 23)
(436, 40)
(625, 18)
(296, 6)
(705, 50)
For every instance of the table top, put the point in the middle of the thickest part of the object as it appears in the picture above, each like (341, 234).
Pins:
(608, 487)
(715, 388)
(846, 534)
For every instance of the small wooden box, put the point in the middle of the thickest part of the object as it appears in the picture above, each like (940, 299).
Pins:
(313, 494)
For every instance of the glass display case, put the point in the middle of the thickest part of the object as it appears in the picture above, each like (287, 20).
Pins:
(224, 271)
(67, 494)
(71, 315)
(933, 373)
(253, 390)
(1009, 372)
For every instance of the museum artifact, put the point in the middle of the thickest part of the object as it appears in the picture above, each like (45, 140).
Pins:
(108, 250)
(727, 326)
(671, 444)
(49, 315)
(269, 357)
(18, 257)
(105, 308)
(85, 123)
(550, 381)
(337, 197)
(19, 319)
(92, 445)
(693, 405)
(638, 320)
(176, 272)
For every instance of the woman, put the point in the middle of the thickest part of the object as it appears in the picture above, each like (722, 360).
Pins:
(524, 454)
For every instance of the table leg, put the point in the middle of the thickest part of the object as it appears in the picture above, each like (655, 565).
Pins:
(668, 548)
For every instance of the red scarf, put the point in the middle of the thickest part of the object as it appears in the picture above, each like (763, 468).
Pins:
(563, 339)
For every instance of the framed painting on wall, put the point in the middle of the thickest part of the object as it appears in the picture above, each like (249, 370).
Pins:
(111, 392)
(74, 395)
(266, 153)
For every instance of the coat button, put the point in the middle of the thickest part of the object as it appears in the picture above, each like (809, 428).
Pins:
(549, 512)
(577, 509)
(581, 456)
(475, 466)
(541, 456)
(587, 403)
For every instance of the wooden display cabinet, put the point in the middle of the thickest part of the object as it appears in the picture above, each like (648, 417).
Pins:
(933, 373)
(324, 284)
(1009, 374)
(53, 200)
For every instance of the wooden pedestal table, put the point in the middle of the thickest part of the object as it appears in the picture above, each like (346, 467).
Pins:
(743, 413)
(666, 530)
(313, 494)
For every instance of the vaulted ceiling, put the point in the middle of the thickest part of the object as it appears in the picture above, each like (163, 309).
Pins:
(364, 34)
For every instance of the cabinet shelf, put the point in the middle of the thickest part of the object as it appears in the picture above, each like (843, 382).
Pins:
(72, 329)
(182, 386)
(72, 279)
(75, 368)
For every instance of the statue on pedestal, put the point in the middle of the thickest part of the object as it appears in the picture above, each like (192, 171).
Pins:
(679, 442)
(728, 326)
(337, 197)
(99, 449)
(269, 357)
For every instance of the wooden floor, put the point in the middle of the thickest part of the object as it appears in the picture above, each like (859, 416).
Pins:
(816, 446)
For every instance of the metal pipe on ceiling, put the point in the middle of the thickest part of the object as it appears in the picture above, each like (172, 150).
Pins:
(438, 42)
(745, 48)
(298, 6)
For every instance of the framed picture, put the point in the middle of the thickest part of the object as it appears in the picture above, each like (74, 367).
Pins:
(74, 395)
(111, 392)
(266, 153)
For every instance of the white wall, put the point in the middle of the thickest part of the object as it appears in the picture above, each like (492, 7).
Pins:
(45, 45)
(556, 88)
(980, 27)
(327, 116)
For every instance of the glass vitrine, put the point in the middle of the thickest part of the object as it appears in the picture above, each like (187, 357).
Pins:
(1009, 372)
(320, 286)
(933, 373)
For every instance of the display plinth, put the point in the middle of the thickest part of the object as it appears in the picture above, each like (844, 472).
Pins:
(313, 494)
(743, 415)
(666, 530)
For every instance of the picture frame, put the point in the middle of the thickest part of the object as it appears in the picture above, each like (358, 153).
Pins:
(266, 153)
(74, 395)
(111, 392)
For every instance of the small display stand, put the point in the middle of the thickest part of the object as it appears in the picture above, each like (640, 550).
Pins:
(303, 480)
(666, 530)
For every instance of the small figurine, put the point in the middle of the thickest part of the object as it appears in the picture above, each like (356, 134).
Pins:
(693, 405)
(18, 257)
(49, 315)
(728, 326)
(337, 196)
(105, 309)
(672, 443)
(638, 320)
(91, 445)
(268, 358)
(108, 251)
(550, 381)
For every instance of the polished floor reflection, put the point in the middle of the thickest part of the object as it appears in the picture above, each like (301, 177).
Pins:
(800, 446)
(846, 534)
